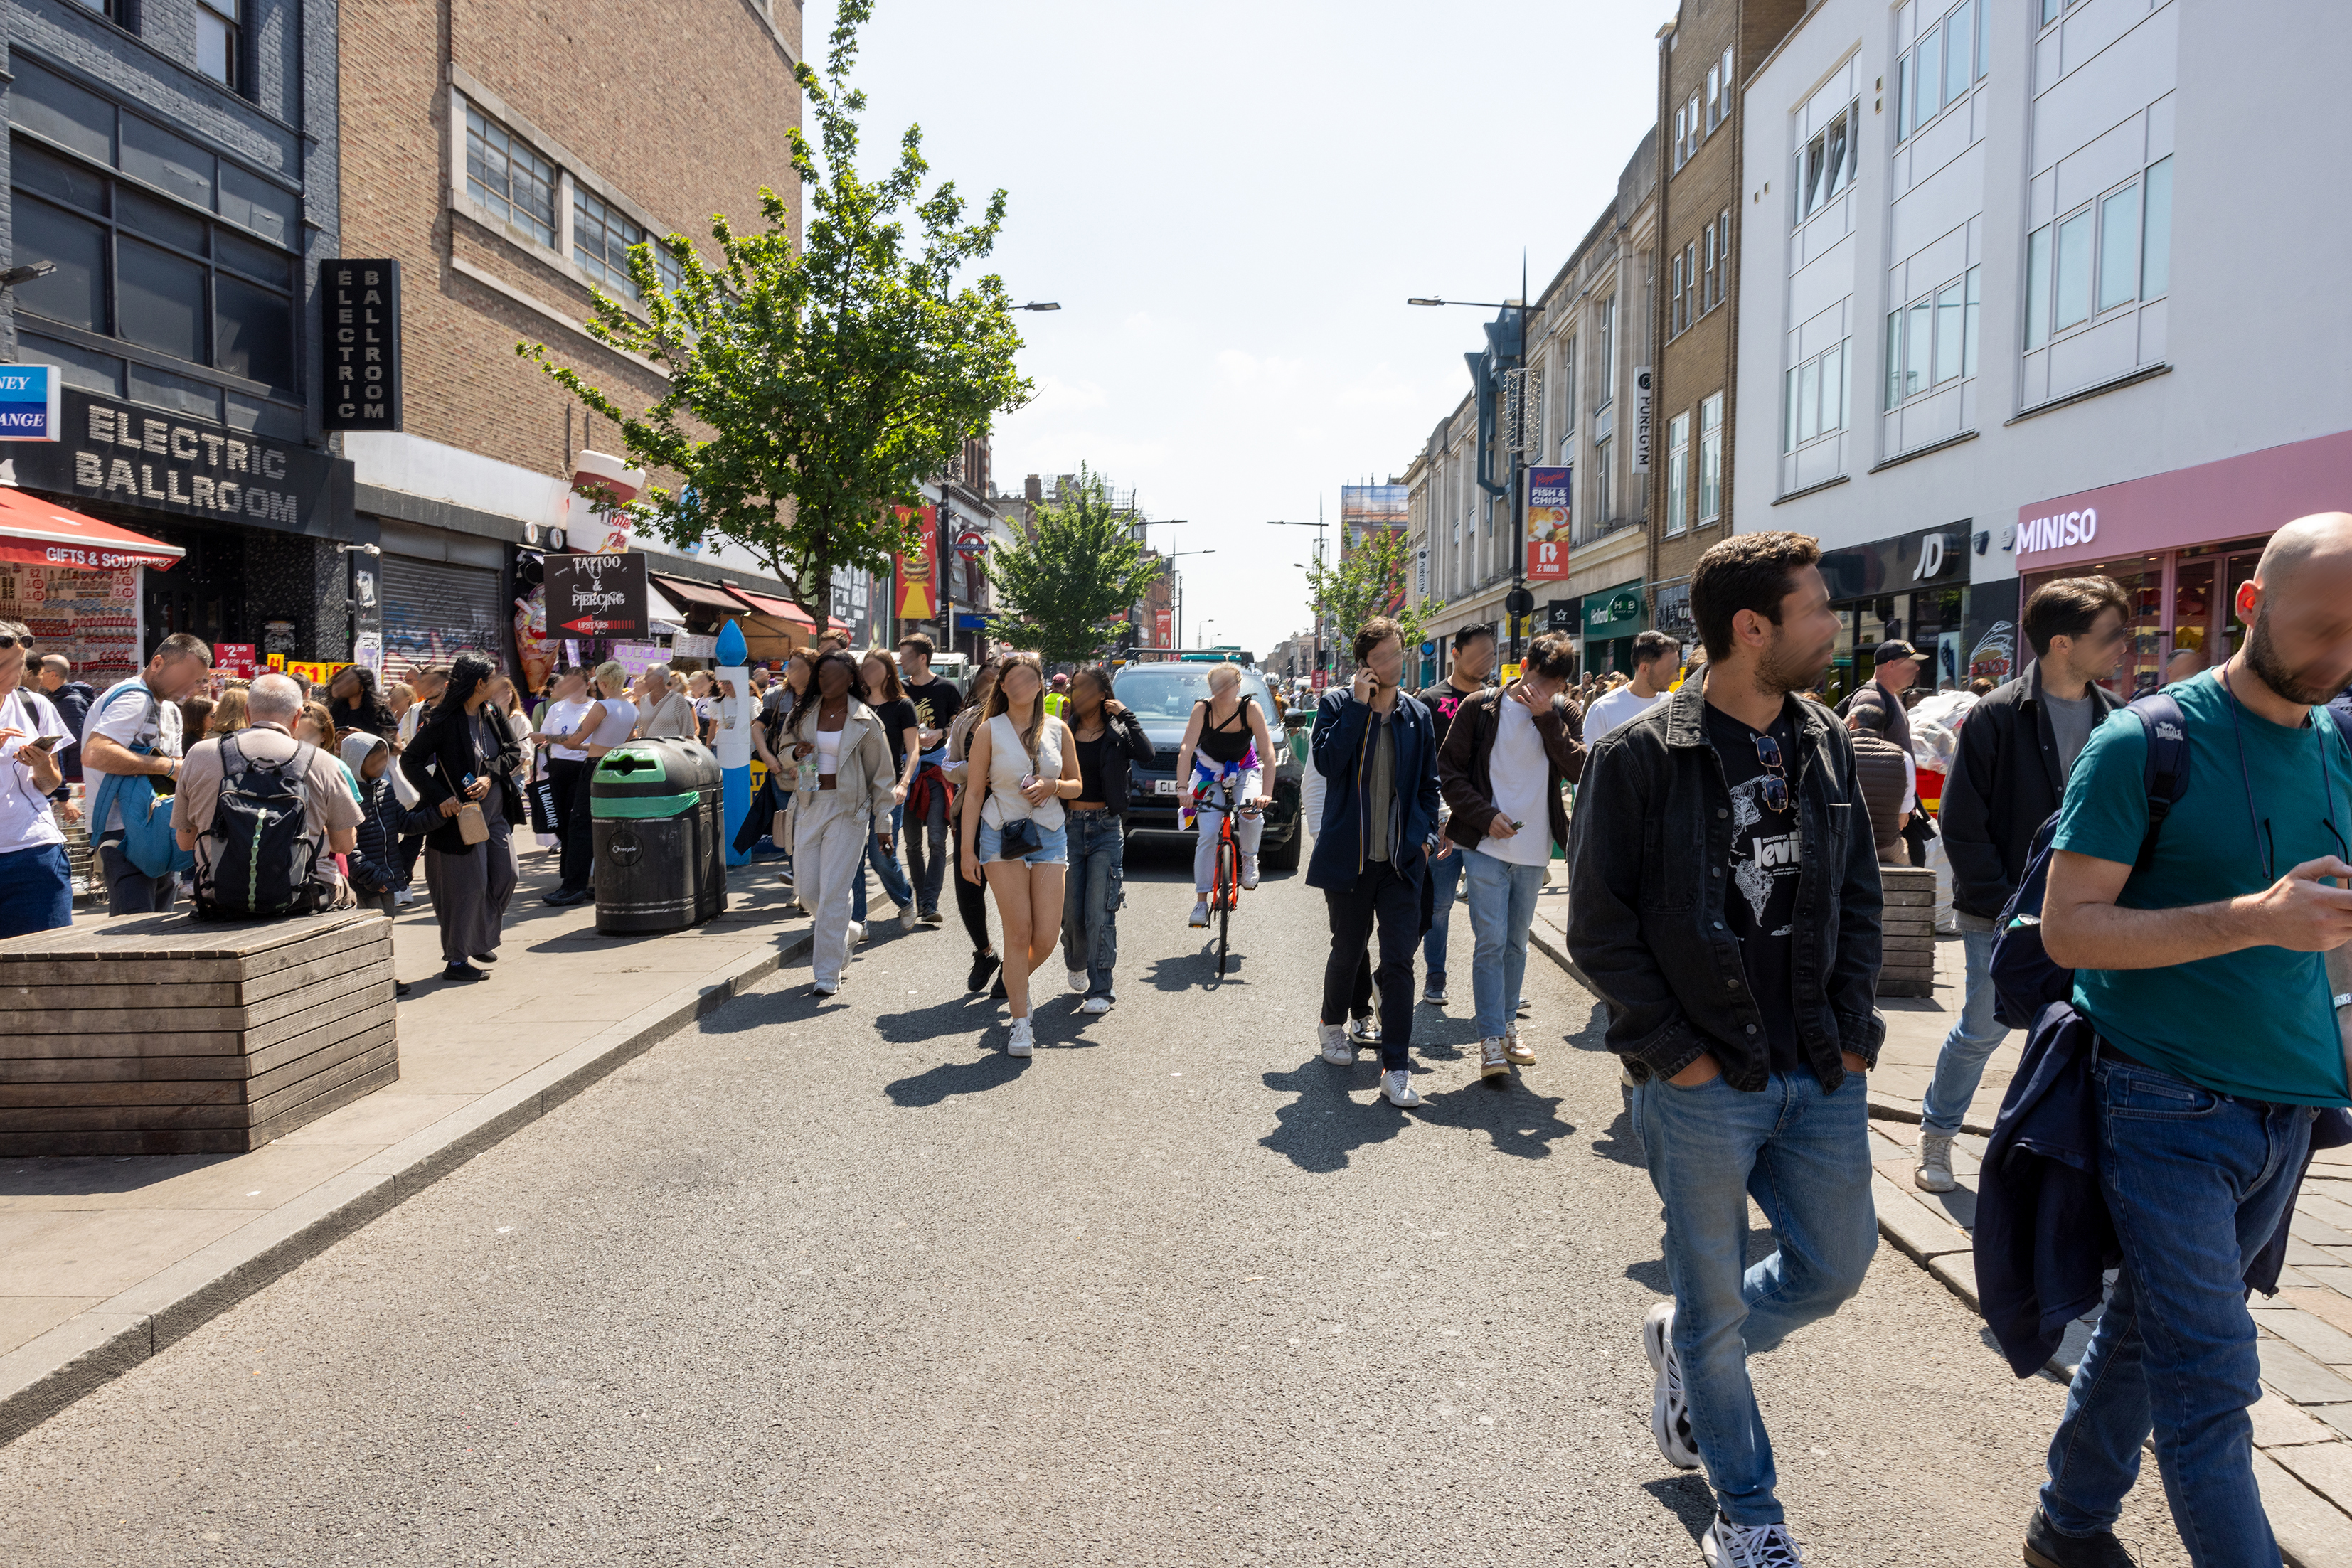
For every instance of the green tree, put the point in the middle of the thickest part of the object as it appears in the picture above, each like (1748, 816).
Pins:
(813, 390)
(1064, 589)
(1370, 580)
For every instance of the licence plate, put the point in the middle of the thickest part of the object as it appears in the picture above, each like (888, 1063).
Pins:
(1163, 786)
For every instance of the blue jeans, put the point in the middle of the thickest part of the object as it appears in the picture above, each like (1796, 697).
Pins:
(895, 885)
(1444, 882)
(36, 890)
(1804, 1156)
(1091, 897)
(1502, 908)
(1976, 1035)
(2196, 1182)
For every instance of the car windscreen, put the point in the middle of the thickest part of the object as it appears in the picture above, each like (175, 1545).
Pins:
(1169, 690)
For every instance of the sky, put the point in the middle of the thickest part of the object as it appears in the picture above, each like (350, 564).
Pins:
(1232, 203)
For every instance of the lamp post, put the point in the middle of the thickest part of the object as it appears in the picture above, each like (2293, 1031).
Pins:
(1317, 526)
(1179, 591)
(1518, 604)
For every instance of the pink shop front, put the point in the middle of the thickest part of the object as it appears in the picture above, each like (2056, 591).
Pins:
(2181, 543)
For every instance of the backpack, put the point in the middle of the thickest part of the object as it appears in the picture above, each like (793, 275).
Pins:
(264, 853)
(149, 841)
(2025, 979)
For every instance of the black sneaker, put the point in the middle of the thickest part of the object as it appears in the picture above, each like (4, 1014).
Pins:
(486, 957)
(2045, 1548)
(463, 972)
(996, 991)
(982, 964)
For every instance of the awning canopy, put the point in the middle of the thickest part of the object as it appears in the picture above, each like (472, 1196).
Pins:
(42, 533)
(686, 591)
(776, 609)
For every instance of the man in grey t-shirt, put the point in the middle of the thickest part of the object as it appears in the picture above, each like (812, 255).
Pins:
(2071, 719)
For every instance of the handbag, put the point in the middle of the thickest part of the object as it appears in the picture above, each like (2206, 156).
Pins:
(1019, 839)
(471, 826)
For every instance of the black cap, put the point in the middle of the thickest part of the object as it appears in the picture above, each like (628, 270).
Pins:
(1894, 648)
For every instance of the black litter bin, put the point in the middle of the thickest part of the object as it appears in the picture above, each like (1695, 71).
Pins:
(657, 820)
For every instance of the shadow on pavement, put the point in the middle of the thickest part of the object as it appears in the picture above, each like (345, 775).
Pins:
(935, 1084)
(1515, 1119)
(1688, 1498)
(1323, 1127)
(1622, 1142)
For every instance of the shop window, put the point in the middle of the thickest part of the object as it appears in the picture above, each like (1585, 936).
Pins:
(1817, 400)
(1946, 60)
(505, 174)
(118, 12)
(1710, 460)
(1931, 342)
(1608, 366)
(1604, 497)
(156, 242)
(2110, 253)
(1677, 472)
(1825, 165)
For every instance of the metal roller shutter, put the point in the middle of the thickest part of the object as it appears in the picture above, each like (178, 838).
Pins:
(433, 611)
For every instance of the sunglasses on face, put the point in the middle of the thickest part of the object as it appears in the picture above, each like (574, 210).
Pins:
(1775, 778)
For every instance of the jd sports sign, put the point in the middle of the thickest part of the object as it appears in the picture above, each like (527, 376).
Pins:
(359, 343)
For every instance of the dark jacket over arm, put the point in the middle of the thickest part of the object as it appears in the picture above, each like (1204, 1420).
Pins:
(1465, 765)
(1134, 747)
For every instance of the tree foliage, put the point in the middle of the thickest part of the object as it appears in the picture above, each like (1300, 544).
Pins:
(812, 391)
(1066, 587)
(1370, 580)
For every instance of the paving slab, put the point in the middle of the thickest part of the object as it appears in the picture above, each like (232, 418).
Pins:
(105, 1260)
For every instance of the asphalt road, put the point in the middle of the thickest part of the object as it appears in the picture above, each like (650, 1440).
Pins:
(846, 1285)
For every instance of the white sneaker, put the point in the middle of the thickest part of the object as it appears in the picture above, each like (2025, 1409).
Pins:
(1364, 1031)
(856, 933)
(1095, 1005)
(404, 897)
(1023, 1042)
(1336, 1049)
(1492, 1063)
(1396, 1084)
(1080, 980)
(1200, 914)
(1669, 1400)
(1249, 873)
(1934, 1171)
(1517, 1050)
(1729, 1545)
(907, 914)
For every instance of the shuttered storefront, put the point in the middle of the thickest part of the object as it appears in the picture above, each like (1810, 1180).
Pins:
(435, 609)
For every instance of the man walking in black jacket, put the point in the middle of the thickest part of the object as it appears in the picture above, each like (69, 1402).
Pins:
(2016, 748)
(1723, 899)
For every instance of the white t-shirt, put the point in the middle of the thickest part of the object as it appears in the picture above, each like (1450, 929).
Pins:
(128, 721)
(26, 822)
(562, 718)
(1612, 709)
(1520, 774)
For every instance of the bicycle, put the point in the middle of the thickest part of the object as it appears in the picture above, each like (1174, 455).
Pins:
(1225, 891)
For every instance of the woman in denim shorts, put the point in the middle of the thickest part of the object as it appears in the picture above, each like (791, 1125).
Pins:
(1022, 766)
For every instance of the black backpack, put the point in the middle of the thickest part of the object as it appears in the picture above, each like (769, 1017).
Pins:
(263, 855)
(2025, 979)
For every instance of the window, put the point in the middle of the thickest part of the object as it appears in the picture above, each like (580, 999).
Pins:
(1949, 57)
(504, 174)
(115, 11)
(220, 29)
(1817, 399)
(189, 256)
(1689, 132)
(1932, 340)
(1608, 366)
(1682, 300)
(1682, 137)
(1677, 472)
(1723, 69)
(2108, 253)
(1710, 460)
(1568, 400)
(1719, 257)
(2051, 9)
(1826, 165)
(601, 238)
(1604, 496)
(1714, 98)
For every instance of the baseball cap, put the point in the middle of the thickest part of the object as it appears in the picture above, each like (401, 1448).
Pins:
(1894, 648)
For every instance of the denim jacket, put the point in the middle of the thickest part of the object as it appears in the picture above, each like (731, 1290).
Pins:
(1648, 869)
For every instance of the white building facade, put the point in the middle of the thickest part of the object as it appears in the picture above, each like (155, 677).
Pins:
(2027, 292)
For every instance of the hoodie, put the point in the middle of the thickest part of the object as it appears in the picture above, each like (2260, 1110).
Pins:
(373, 863)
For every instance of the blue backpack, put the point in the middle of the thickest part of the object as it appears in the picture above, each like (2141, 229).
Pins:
(2025, 979)
(149, 842)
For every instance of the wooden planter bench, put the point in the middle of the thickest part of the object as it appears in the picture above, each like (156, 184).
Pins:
(1906, 965)
(161, 1034)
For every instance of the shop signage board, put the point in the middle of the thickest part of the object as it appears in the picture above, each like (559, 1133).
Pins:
(1550, 511)
(359, 343)
(1163, 628)
(598, 595)
(1613, 612)
(1927, 559)
(115, 452)
(637, 658)
(242, 660)
(32, 406)
(918, 597)
(1641, 419)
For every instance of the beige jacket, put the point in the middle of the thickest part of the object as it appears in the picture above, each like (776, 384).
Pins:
(865, 768)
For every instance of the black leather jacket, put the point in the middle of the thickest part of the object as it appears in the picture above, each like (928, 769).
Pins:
(2005, 781)
(1647, 880)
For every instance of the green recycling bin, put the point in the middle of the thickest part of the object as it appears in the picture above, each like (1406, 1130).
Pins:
(657, 811)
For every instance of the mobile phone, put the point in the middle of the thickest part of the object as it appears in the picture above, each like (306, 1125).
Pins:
(42, 743)
(469, 782)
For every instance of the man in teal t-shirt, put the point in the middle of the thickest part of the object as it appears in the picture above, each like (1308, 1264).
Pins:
(2204, 977)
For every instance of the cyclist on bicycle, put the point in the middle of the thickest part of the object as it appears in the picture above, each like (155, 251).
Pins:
(1225, 755)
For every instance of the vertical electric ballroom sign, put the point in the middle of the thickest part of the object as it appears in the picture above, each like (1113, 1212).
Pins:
(360, 343)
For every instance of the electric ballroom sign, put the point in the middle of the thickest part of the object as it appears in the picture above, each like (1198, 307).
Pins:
(597, 595)
(359, 304)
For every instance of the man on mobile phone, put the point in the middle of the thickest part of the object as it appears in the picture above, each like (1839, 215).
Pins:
(2200, 964)
(1505, 761)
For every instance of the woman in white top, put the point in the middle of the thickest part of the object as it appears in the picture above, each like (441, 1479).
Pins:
(608, 722)
(843, 774)
(566, 765)
(1023, 766)
(35, 884)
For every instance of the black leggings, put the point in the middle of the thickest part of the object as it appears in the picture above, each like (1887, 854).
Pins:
(971, 901)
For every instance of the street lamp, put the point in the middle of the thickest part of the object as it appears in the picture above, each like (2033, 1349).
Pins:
(1317, 526)
(1519, 603)
(1038, 305)
(1179, 591)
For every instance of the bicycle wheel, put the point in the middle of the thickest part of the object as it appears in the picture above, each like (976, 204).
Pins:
(1228, 890)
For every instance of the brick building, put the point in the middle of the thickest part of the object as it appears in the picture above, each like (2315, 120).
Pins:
(1703, 54)
(509, 156)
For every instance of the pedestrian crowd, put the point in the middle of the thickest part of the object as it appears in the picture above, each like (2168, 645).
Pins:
(2185, 975)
